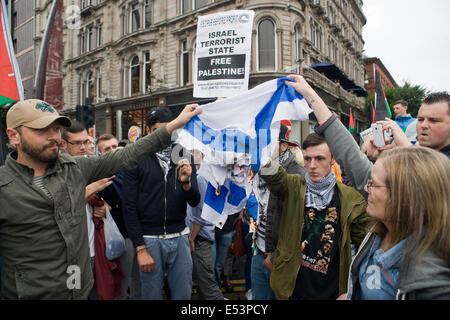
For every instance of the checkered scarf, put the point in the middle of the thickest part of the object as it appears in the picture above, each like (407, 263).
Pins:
(319, 194)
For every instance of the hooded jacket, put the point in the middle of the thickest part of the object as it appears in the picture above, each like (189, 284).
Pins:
(427, 279)
(154, 204)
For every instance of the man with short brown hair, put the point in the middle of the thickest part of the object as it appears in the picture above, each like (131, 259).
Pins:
(405, 121)
(433, 122)
(106, 143)
(329, 212)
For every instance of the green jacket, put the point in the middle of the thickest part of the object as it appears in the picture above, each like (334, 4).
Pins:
(291, 188)
(44, 241)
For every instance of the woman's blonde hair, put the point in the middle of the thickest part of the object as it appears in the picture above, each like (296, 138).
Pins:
(418, 180)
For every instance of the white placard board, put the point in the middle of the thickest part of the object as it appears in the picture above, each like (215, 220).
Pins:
(223, 52)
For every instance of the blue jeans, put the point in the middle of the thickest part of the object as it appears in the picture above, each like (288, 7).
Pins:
(219, 254)
(173, 258)
(261, 289)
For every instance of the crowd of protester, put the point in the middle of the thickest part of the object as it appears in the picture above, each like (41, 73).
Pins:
(334, 221)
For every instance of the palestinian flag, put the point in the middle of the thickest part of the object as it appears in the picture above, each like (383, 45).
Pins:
(11, 88)
(373, 113)
(351, 123)
(382, 109)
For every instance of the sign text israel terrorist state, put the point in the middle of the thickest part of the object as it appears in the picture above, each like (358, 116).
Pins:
(222, 55)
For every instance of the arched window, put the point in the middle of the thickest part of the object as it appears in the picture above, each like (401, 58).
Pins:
(135, 75)
(266, 45)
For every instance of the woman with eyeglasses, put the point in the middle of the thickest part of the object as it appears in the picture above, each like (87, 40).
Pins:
(407, 253)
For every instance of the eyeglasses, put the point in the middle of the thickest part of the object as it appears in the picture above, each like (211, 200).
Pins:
(79, 143)
(370, 185)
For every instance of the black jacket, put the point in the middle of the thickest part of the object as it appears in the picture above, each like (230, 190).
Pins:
(153, 205)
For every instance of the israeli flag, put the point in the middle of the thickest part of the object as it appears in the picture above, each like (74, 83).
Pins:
(237, 137)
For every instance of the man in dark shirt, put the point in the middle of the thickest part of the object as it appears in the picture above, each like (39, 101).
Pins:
(313, 252)
(154, 198)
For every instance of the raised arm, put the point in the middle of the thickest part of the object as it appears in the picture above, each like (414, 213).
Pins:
(98, 167)
(342, 145)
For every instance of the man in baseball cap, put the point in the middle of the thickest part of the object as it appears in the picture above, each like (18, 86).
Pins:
(35, 114)
(34, 127)
(42, 201)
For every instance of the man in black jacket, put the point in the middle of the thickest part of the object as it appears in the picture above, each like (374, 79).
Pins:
(154, 197)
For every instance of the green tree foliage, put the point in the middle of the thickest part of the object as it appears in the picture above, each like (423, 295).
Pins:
(413, 94)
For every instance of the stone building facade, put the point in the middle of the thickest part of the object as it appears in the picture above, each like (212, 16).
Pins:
(129, 56)
(28, 24)
(387, 81)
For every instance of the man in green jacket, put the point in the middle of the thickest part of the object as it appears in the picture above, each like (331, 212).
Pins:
(320, 219)
(43, 230)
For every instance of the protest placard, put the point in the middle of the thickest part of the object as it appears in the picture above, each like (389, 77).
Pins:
(222, 55)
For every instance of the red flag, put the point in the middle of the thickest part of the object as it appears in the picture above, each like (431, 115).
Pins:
(11, 88)
(373, 112)
(351, 123)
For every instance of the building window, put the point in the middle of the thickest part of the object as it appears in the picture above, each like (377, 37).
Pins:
(266, 46)
(297, 49)
(83, 4)
(184, 6)
(331, 15)
(345, 64)
(135, 18)
(82, 36)
(124, 79)
(98, 92)
(135, 76)
(90, 38)
(81, 90)
(147, 72)
(184, 63)
(90, 87)
(316, 35)
(124, 24)
(99, 35)
(200, 3)
(330, 49)
(147, 13)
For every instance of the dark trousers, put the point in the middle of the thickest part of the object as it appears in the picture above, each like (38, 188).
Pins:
(202, 272)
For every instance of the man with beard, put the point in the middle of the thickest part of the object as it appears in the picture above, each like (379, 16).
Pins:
(43, 234)
(154, 198)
